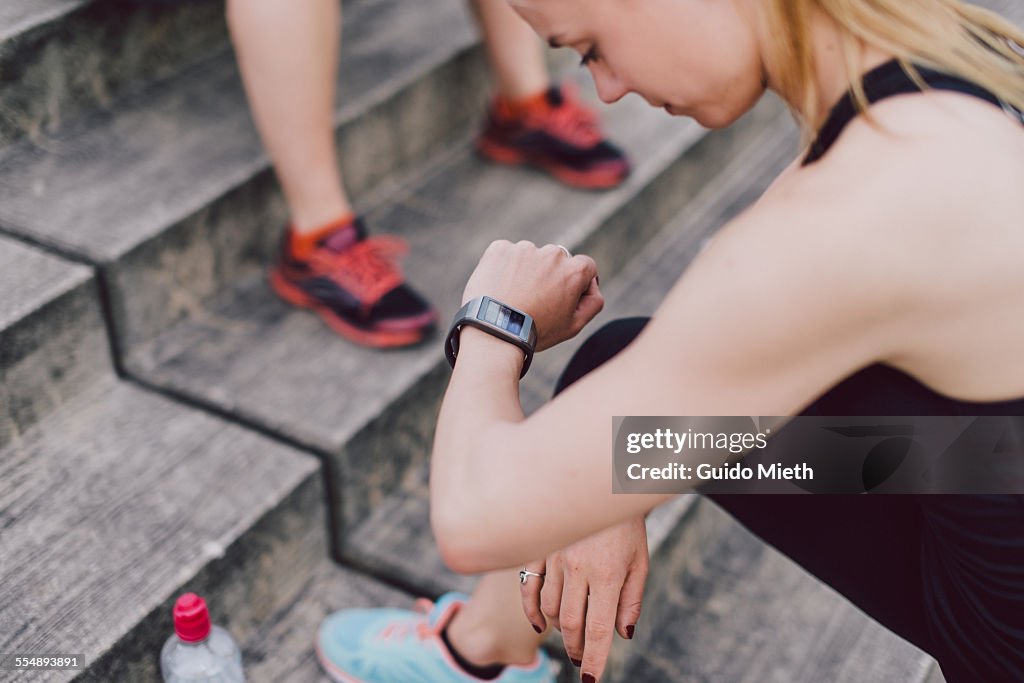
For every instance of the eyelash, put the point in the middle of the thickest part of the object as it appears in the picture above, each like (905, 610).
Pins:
(590, 56)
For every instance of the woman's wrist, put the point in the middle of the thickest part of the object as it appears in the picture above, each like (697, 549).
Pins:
(488, 353)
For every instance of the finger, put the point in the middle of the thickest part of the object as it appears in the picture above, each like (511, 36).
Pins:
(631, 600)
(551, 593)
(585, 268)
(497, 246)
(589, 305)
(600, 630)
(591, 297)
(529, 592)
(573, 616)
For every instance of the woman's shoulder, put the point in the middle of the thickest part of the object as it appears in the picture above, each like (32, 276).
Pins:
(780, 305)
(928, 151)
(937, 168)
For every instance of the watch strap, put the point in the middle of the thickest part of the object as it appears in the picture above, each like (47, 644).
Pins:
(469, 315)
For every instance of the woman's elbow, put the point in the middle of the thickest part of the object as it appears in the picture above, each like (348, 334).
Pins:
(463, 547)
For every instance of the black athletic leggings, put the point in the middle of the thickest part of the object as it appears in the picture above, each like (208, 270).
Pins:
(944, 572)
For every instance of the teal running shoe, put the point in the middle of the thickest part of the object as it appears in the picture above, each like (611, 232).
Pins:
(400, 646)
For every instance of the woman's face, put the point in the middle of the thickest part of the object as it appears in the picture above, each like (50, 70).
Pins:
(696, 58)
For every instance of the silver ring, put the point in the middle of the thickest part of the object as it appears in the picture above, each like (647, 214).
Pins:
(525, 574)
(567, 252)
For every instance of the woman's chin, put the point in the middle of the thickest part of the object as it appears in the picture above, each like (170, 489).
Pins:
(714, 120)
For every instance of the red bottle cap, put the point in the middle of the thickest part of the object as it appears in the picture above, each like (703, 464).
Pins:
(191, 618)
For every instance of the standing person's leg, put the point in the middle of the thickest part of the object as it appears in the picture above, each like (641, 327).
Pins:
(514, 51)
(288, 55)
(532, 122)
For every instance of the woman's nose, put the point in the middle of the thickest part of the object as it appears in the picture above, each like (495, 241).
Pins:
(609, 88)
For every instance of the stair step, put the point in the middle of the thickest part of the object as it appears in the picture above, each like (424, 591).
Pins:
(62, 59)
(120, 500)
(730, 608)
(52, 337)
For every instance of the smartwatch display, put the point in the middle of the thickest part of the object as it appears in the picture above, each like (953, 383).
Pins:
(495, 318)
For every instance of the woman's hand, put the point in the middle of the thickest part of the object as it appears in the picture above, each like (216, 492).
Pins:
(559, 291)
(611, 568)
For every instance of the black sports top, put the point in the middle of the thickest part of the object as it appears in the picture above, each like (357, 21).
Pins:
(881, 389)
(885, 81)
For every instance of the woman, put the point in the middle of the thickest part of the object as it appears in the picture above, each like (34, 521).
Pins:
(883, 272)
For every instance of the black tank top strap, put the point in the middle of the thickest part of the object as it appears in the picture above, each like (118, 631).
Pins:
(888, 80)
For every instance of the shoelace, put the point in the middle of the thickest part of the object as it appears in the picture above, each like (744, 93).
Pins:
(369, 268)
(575, 122)
(422, 629)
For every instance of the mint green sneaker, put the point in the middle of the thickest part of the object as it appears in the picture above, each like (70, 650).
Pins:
(400, 646)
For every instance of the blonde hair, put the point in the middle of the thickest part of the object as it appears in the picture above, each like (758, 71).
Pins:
(945, 35)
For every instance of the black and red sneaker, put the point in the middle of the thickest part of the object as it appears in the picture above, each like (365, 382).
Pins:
(354, 283)
(557, 133)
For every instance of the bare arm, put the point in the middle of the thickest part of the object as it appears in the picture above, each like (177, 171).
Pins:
(770, 314)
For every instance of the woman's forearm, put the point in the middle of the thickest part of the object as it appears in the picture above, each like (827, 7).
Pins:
(481, 403)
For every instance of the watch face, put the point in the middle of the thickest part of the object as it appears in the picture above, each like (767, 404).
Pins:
(502, 316)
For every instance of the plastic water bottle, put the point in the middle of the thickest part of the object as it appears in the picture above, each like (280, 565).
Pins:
(198, 651)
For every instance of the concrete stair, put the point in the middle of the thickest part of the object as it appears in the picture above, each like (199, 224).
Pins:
(167, 425)
(48, 318)
(113, 499)
(168, 498)
(62, 59)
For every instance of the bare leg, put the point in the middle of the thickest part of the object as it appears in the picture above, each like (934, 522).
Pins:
(516, 54)
(491, 627)
(288, 54)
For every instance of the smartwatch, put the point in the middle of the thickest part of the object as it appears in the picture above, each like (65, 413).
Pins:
(495, 318)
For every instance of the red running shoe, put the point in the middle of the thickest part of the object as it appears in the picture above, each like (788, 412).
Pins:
(354, 283)
(557, 133)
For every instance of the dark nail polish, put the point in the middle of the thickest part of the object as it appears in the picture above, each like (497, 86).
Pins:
(536, 628)
(589, 678)
(575, 662)
(630, 630)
